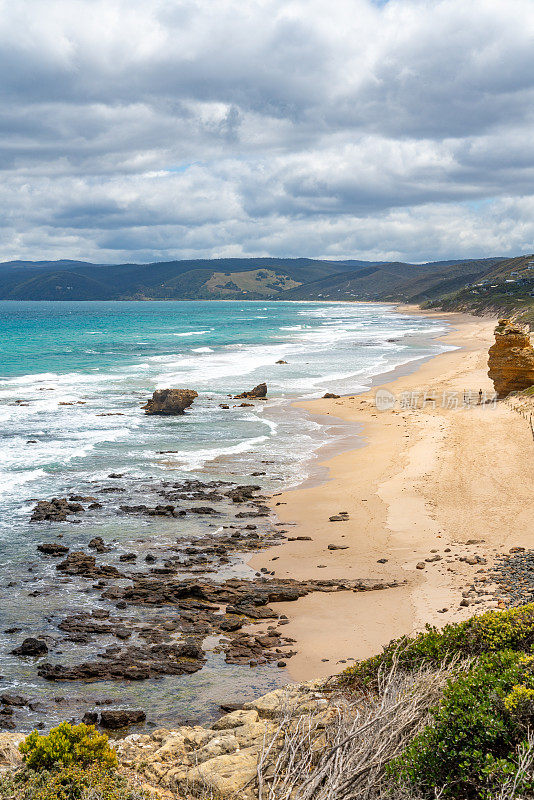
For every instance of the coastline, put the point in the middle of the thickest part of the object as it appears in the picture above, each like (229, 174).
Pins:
(426, 484)
(137, 543)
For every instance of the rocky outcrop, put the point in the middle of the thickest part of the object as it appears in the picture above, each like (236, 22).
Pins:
(259, 392)
(240, 596)
(220, 760)
(55, 510)
(131, 663)
(31, 647)
(113, 720)
(511, 358)
(53, 549)
(83, 564)
(170, 401)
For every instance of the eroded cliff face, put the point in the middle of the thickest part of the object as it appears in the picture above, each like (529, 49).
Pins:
(511, 358)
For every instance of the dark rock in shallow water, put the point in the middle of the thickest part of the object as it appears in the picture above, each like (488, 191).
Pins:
(77, 563)
(131, 663)
(242, 493)
(229, 707)
(90, 718)
(121, 719)
(99, 545)
(157, 511)
(80, 563)
(6, 723)
(31, 647)
(55, 510)
(52, 549)
(13, 700)
(258, 392)
(170, 401)
(150, 590)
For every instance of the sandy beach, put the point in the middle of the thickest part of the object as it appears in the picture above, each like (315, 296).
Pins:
(441, 476)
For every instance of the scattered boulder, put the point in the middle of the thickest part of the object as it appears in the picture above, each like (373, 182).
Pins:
(13, 700)
(341, 517)
(511, 358)
(55, 510)
(121, 719)
(330, 396)
(53, 549)
(258, 392)
(80, 563)
(77, 563)
(98, 544)
(170, 401)
(31, 647)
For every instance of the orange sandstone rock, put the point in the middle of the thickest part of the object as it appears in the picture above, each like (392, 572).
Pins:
(511, 358)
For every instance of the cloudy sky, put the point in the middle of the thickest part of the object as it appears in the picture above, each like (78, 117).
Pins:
(139, 130)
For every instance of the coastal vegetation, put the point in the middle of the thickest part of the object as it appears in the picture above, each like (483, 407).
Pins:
(441, 714)
(72, 762)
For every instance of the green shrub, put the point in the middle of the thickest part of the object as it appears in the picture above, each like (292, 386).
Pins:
(471, 745)
(65, 745)
(488, 633)
(68, 783)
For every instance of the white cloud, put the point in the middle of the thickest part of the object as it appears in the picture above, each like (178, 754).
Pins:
(177, 128)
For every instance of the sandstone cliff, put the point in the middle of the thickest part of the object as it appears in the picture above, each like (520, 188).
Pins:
(511, 358)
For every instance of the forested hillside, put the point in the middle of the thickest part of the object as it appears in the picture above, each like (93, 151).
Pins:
(238, 278)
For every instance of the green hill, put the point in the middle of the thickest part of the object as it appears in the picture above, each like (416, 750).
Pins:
(238, 278)
(506, 290)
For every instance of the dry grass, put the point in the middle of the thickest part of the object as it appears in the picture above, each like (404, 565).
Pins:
(342, 754)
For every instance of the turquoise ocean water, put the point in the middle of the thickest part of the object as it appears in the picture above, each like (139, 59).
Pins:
(104, 359)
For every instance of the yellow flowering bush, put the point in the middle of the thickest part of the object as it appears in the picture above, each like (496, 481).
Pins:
(65, 745)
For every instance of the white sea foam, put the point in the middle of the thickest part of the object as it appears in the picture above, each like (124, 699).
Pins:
(10, 481)
(191, 333)
(335, 347)
(198, 458)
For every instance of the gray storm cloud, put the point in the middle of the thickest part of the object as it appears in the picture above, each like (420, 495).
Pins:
(146, 130)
